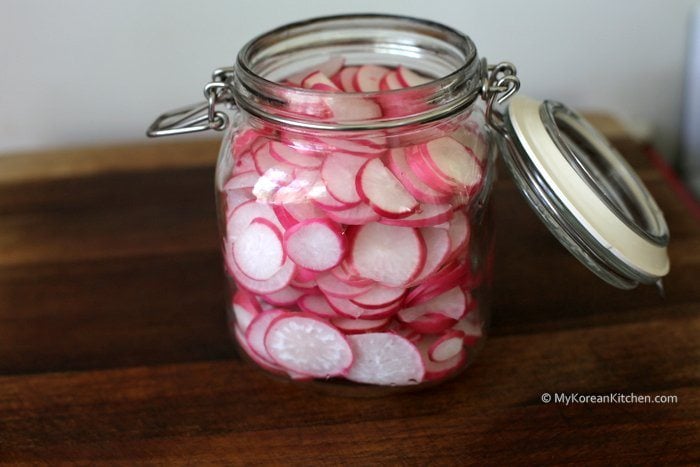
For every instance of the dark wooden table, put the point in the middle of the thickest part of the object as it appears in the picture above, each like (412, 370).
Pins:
(113, 345)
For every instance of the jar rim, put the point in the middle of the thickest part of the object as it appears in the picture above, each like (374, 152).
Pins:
(452, 92)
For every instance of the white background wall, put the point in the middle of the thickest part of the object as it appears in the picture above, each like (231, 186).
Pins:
(82, 72)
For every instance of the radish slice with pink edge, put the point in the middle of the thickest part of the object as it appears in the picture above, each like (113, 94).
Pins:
(356, 215)
(235, 198)
(243, 215)
(390, 82)
(470, 138)
(304, 211)
(308, 285)
(446, 346)
(379, 296)
(263, 158)
(317, 305)
(346, 274)
(459, 233)
(385, 359)
(423, 192)
(338, 172)
(241, 180)
(273, 284)
(347, 309)
(387, 254)
(287, 296)
(323, 199)
(319, 81)
(243, 344)
(245, 308)
(398, 328)
(316, 244)
(305, 275)
(329, 68)
(359, 326)
(368, 77)
(425, 172)
(255, 334)
(409, 78)
(473, 331)
(352, 108)
(451, 275)
(367, 147)
(453, 162)
(332, 286)
(259, 251)
(438, 247)
(243, 141)
(379, 188)
(431, 323)
(452, 304)
(293, 157)
(244, 163)
(427, 215)
(440, 370)
(344, 78)
(306, 344)
(283, 216)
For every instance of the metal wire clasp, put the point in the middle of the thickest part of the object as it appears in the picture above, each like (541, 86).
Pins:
(201, 116)
(500, 83)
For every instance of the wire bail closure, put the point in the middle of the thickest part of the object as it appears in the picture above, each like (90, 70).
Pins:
(202, 116)
(500, 83)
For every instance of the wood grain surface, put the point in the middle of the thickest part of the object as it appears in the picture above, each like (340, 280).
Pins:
(113, 344)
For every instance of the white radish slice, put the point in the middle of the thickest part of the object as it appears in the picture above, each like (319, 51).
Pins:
(452, 275)
(241, 180)
(473, 140)
(390, 82)
(352, 108)
(398, 328)
(385, 359)
(440, 370)
(288, 296)
(367, 147)
(255, 334)
(326, 202)
(339, 172)
(409, 78)
(427, 215)
(426, 173)
(316, 244)
(359, 326)
(309, 285)
(243, 215)
(356, 215)
(263, 159)
(472, 330)
(283, 216)
(346, 274)
(452, 304)
(245, 163)
(379, 296)
(258, 251)
(368, 77)
(421, 191)
(293, 157)
(431, 323)
(379, 188)
(308, 345)
(317, 305)
(235, 198)
(344, 78)
(273, 284)
(446, 346)
(304, 211)
(347, 309)
(454, 162)
(330, 285)
(319, 81)
(459, 233)
(387, 254)
(328, 68)
(243, 343)
(245, 308)
(437, 244)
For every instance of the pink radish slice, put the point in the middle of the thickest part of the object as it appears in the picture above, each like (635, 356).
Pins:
(309, 286)
(368, 77)
(387, 254)
(378, 187)
(356, 215)
(352, 108)
(245, 308)
(452, 161)
(359, 146)
(235, 198)
(326, 202)
(437, 243)
(258, 251)
(305, 344)
(305, 275)
(390, 82)
(409, 78)
(338, 173)
(379, 296)
(245, 163)
(243, 343)
(255, 334)
(421, 191)
(344, 78)
(332, 286)
(293, 157)
(426, 173)
(398, 328)
(440, 370)
(431, 323)
(446, 346)
(329, 68)
(243, 141)
(273, 284)
(263, 159)
(243, 215)
(459, 233)
(242, 180)
(283, 216)
(427, 215)
(452, 304)
(303, 211)
(473, 331)
(319, 81)
(350, 277)
(470, 138)
(452, 275)
(386, 359)
(288, 296)
(359, 326)
(347, 309)
(316, 244)
(317, 305)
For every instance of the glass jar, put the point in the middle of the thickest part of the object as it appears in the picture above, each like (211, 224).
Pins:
(356, 226)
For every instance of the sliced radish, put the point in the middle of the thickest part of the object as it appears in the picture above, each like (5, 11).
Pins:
(288, 296)
(453, 162)
(243, 141)
(397, 327)
(305, 344)
(409, 78)
(452, 304)
(390, 82)
(258, 251)
(473, 331)
(317, 305)
(472, 139)
(304, 185)
(348, 275)
(338, 173)
(243, 344)
(344, 78)
(326, 202)
(245, 163)
(344, 307)
(356, 215)
(316, 244)
(305, 275)
(427, 215)
(241, 180)
(235, 198)
(446, 346)
(421, 191)
(293, 157)
(378, 187)
(332, 286)
(451, 275)
(368, 147)
(328, 68)
(387, 254)
(359, 326)
(379, 296)
(255, 334)
(273, 284)
(459, 233)
(284, 217)
(431, 323)
(437, 244)
(352, 108)
(263, 159)
(319, 82)
(245, 308)
(386, 359)
(368, 77)
(440, 370)
(243, 215)
(304, 210)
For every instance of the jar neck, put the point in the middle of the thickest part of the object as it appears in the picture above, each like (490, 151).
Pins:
(434, 50)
